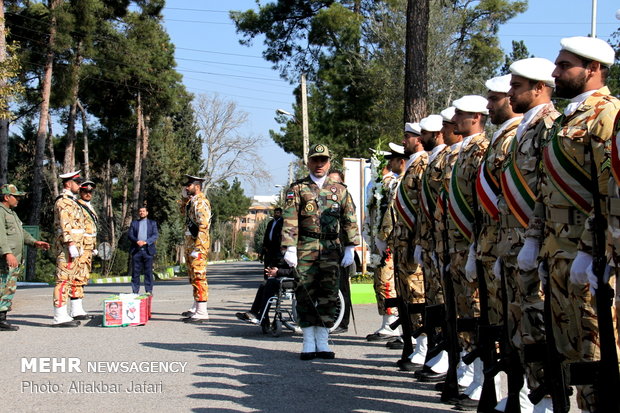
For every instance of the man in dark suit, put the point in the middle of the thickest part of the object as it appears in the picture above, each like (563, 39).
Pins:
(142, 234)
(272, 255)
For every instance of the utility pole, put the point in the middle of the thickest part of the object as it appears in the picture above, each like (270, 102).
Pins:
(304, 118)
(593, 30)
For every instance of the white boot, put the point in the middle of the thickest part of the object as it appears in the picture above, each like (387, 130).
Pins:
(439, 363)
(464, 372)
(201, 315)
(475, 388)
(191, 311)
(62, 318)
(321, 335)
(308, 352)
(419, 355)
(76, 308)
(544, 406)
(385, 325)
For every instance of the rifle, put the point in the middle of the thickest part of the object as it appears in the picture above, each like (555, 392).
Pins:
(451, 388)
(603, 374)
(486, 340)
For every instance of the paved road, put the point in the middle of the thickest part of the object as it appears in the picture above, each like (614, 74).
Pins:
(223, 366)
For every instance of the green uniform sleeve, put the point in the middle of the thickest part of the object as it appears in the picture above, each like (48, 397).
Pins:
(290, 227)
(28, 239)
(349, 223)
(5, 248)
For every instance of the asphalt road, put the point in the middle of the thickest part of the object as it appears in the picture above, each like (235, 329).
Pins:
(223, 366)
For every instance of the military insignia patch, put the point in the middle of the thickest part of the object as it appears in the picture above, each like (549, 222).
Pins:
(309, 207)
(290, 195)
(319, 149)
(334, 197)
(333, 189)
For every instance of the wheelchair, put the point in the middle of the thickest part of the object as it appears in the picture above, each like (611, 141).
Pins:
(280, 311)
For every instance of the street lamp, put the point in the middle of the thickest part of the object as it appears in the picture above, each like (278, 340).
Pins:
(304, 131)
(280, 192)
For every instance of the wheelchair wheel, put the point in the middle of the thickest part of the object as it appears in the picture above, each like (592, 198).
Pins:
(340, 307)
(276, 327)
(265, 325)
(291, 323)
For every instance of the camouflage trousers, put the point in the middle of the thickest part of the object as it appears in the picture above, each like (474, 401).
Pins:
(197, 272)
(526, 324)
(409, 282)
(494, 295)
(432, 279)
(466, 297)
(384, 285)
(84, 264)
(67, 269)
(317, 289)
(8, 286)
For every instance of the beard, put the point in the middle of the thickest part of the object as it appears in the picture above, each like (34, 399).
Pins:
(570, 88)
(430, 144)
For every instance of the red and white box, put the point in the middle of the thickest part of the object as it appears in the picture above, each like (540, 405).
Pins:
(126, 310)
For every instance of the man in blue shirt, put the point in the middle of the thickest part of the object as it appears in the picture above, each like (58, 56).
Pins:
(142, 234)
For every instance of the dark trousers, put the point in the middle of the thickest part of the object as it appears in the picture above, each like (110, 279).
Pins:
(142, 264)
(265, 291)
(345, 289)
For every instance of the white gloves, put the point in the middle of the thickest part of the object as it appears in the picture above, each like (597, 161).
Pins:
(290, 256)
(347, 259)
(95, 253)
(593, 279)
(381, 245)
(417, 255)
(578, 274)
(543, 274)
(470, 266)
(195, 254)
(73, 251)
(528, 256)
(497, 269)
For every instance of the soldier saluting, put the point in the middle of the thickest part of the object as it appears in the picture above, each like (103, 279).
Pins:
(316, 210)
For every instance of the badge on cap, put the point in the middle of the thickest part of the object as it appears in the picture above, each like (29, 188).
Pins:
(319, 149)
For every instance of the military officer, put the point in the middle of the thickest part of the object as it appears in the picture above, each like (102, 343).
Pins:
(69, 225)
(197, 210)
(89, 245)
(582, 135)
(12, 240)
(319, 215)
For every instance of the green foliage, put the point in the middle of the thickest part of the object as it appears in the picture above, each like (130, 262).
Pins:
(519, 51)
(259, 234)
(228, 201)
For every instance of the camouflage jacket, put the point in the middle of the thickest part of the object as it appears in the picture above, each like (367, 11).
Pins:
(12, 234)
(68, 221)
(431, 184)
(197, 211)
(387, 222)
(441, 214)
(90, 225)
(316, 218)
(613, 206)
(589, 126)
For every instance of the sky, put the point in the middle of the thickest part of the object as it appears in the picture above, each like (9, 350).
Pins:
(211, 60)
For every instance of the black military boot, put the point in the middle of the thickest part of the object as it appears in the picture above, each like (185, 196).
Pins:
(4, 325)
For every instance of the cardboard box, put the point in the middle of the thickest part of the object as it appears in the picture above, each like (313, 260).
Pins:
(126, 310)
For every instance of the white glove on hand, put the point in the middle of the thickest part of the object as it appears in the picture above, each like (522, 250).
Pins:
(73, 251)
(381, 245)
(290, 256)
(578, 274)
(95, 253)
(470, 266)
(528, 256)
(497, 269)
(417, 255)
(543, 274)
(348, 258)
(195, 254)
(593, 279)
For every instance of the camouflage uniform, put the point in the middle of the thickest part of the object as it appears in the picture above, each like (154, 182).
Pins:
(560, 218)
(487, 239)
(524, 293)
(613, 220)
(463, 174)
(403, 240)
(69, 224)
(89, 243)
(12, 240)
(313, 219)
(197, 212)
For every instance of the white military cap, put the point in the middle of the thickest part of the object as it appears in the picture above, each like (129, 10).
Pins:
(591, 48)
(382, 153)
(472, 103)
(447, 114)
(535, 68)
(396, 148)
(413, 128)
(499, 84)
(75, 175)
(432, 123)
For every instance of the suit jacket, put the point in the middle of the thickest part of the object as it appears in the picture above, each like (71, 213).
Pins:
(273, 246)
(151, 236)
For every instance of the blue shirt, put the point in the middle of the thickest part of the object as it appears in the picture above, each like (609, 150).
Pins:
(142, 230)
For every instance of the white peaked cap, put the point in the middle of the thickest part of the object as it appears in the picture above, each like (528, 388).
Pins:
(472, 103)
(70, 175)
(448, 113)
(591, 48)
(499, 84)
(413, 128)
(432, 123)
(396, 148)
(535, 68)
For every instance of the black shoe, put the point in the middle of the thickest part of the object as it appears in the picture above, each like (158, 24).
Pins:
(6, 326)
(339, 330)
(379, 337)
(72, 323)
(307, 356)
(407, 365)
(192, 320)
(84, 317)
(432, 377)
(187, 314)
(467, 404)
(328, 355)
(396, 344)
(441, 385)
(423, 370)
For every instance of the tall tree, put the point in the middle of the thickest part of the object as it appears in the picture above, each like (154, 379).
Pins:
(416, 46)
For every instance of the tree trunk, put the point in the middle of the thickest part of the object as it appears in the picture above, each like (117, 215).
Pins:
(125, 215)
(50, 149)
(39, 155)
(416, 83)
(137, 170)
(85, 135)
(145, 151)
(4, 121)
(109, 211)
(69, 162)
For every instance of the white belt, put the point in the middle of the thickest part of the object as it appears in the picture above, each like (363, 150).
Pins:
(90, 235)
